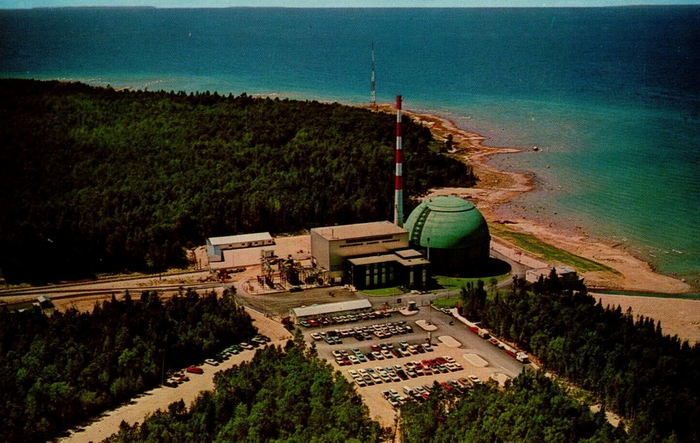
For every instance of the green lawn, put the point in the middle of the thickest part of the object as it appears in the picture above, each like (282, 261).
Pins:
(547, 252)
(446, 302)
(460, 282)
(391, 291)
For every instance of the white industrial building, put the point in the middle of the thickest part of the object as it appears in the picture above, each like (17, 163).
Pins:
(343, 307)
(216, 245)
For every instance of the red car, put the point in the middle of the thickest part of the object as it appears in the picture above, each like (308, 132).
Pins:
(446, 386)
(195, 370)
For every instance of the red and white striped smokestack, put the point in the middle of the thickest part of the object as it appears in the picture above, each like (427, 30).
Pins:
(398, 179)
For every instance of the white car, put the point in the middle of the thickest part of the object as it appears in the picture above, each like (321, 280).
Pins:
(211, 361)
(474, 379)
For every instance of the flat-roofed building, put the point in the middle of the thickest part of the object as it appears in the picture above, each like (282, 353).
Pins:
(404, 267)
(216, 245)
(343, 307)
(369, 255)
(330, 245)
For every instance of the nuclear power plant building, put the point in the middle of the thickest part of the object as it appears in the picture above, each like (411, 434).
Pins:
(369, 255)
(451, 232)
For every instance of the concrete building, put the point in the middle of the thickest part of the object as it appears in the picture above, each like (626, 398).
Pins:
(369, 255)
(452, 234)
(216, 245)
(405, 267)
(339, 308)
(565, 274)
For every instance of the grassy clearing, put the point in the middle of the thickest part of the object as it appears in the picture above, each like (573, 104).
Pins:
(547, 252)
(386, 292)
(449, 301)
(446, 302)
(460, 282)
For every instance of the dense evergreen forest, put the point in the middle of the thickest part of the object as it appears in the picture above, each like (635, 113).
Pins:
(650, 378)
(56, 371)
(281, 395)
(98, 180)
(532, 409)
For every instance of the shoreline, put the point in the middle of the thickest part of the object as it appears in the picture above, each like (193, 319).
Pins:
(496, 188)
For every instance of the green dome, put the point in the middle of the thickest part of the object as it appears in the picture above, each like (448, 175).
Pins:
(453, 228)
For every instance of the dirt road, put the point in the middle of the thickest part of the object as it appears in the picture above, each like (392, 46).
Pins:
(161, 397)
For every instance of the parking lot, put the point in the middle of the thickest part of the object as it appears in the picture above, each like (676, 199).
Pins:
(498, 363)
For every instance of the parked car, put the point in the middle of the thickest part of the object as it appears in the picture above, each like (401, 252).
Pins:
(195, 370)
(475, 380)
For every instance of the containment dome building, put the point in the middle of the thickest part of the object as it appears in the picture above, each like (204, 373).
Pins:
(451, 232)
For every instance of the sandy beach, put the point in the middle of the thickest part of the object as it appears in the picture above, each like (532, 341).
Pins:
(678, 317)
(495, 188)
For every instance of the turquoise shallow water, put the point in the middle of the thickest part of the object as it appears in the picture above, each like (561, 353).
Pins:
(610, 95)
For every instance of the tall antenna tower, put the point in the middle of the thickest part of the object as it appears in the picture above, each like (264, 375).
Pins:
(398, 179)
(373, 82)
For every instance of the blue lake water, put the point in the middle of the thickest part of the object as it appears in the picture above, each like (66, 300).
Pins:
(610, 95)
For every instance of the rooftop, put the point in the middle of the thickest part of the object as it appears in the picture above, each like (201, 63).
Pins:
(446, 222)
(257, 236)
(371, 259)
(358, 230)
(298, 247)
(408, 253)
(329, 308)
(384, 258)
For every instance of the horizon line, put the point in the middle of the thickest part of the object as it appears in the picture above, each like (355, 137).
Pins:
(640, 5)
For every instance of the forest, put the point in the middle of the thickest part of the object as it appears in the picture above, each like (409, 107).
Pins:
(281, 395)
(533, 408)
(57, 371)
(97, 180)
(651, 379)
